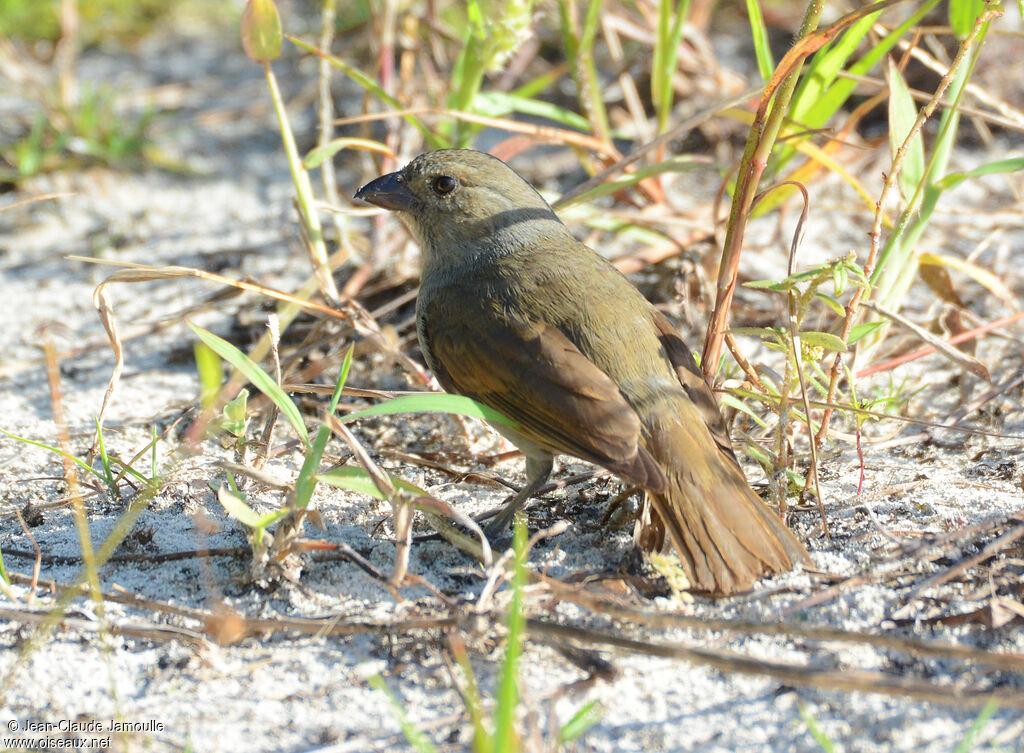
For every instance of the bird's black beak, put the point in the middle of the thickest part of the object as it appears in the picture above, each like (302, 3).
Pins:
(388, 192)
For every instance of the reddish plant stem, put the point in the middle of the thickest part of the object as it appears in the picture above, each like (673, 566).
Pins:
(928, 349)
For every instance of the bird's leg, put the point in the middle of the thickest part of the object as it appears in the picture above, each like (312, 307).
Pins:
(538, 469)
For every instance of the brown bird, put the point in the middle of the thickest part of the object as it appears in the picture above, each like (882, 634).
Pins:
(517, 314)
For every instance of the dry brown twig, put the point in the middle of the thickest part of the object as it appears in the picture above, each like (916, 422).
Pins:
(806, 676)
(352, 312)
(992, 548)
(929, 349)
(963, 360)
(142, 631)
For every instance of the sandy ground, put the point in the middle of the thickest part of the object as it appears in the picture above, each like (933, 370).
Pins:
(290, 692)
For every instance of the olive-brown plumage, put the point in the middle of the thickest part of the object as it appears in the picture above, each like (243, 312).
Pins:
(519, 315)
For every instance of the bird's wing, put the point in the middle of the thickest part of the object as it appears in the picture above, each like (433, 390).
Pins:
(692, 380)
(533, 374)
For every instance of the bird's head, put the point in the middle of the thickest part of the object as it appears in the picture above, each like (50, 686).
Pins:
(461, 201)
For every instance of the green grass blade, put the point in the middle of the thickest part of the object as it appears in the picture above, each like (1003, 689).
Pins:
(967, 744)
(108, 474)
(579, 51)
(80, 463)
(816, 731)
(897, 266)
(950, 122)
(435, 141)
(482, 742)
(500, 104)
(131, 472)
(260, 379)
(822, 92)
(588, 78)
(416, 738)
(990, 168)
(468, 71)
(507, 700)
(741, 406)
(581, 721)
(3, 570)
(153, 468)
(433, 402)
(355, 479)
(759, 34)
(539, 83)
(626, 180)
(963, 14)
(211, 373)
(666, 54)
(305, 484)
(822, 72)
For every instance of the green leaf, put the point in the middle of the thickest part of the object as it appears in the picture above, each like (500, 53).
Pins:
(211, 372)
(741, 406)
(823, 340)
(433, 402)
(857, 271)
(679, 163)
(862, 330)
(234, 419)
(306, 481)
(992, 168)
(354, 478)
(238, 509)
(765, 285)
(767, 334)
(803, 275)
(963, 14)
(581, 721)
(833, 303)
(902, 116)
(320, 154)
(260, 379)
(498, 104)
(261, 30)
(796, 481)
(839, 278)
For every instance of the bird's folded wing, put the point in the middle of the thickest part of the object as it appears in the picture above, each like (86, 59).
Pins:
(692, 381)
(533, 374)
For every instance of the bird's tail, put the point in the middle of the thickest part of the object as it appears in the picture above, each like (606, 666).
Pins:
(725, 535)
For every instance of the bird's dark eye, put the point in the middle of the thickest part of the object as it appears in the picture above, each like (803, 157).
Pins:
(444, 184)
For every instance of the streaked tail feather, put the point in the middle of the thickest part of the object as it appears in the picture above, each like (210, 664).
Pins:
(725, 535)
